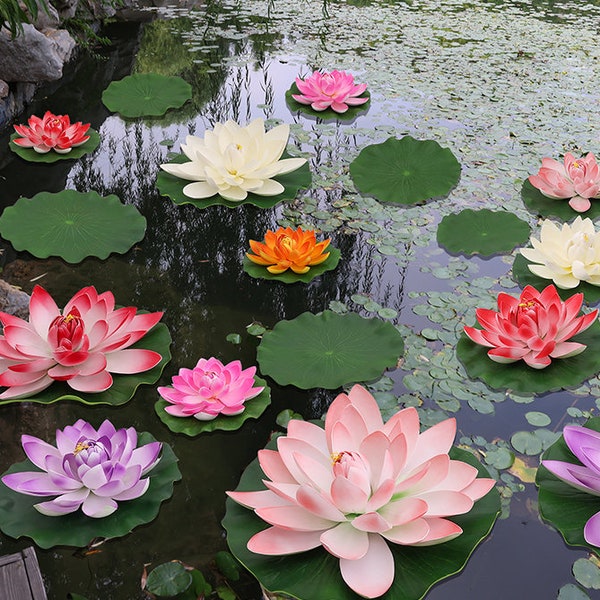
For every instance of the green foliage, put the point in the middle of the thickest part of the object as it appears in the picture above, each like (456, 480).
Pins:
(14, 13)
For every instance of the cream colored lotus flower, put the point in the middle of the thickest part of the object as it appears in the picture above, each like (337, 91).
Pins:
(233, 160)
(567, 254)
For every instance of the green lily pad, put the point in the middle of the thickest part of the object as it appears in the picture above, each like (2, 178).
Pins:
(405, 171)
(260, 271)
(31, 155)
(146, 95)
(19, 518)
(541, 205)
(123, 387)
(483, 232)
(172, 187)
(254, 408)
(168, 579)
(519, 377)
(72, 225)
(328, 350)
(316, 574)
(329, 114)
(565, 507)
(524, 277)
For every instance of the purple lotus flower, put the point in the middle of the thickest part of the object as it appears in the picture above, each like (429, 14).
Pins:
(584, 443)
(89, 469)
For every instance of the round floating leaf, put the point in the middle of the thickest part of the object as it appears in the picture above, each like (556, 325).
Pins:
(146, 94)
(567, 508)
(541, 205)
(405, 171)
(416, 569)
(168, 579)
(328, 350)
(254, 408)
(31, 155)
(171, 186)
(72, 225)
(329, 114)
(123, 387)
(260, 272)
(483, 232)
(19, 518)
(519, 377)
(524, 277)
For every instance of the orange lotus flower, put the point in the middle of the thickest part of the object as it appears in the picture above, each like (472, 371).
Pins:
(288, 248)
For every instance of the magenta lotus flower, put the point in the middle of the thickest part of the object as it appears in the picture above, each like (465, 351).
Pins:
(534, 327)
(82, 345)
(577, 179)
(335, 90)
(210, 389)
(51, 132)
(584, 443)
(360, 484)
(90, 469)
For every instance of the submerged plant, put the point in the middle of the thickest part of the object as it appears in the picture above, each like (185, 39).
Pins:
(357, 485)
(335, 90)
(534, 328)
(90, 469)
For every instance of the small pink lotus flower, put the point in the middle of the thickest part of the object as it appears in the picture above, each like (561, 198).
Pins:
(210, 389)
(335, 90)
(89, 469)
(360, 484)
(82, 345)
(534, 327)
(51, 132)
(577, 179)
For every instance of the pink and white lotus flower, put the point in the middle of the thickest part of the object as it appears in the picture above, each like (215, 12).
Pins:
(51, 132)
(535, 327)
(577, 179)
(335, 90)
(90, 469)
(82, 345)
(360, 484)
(210, 389)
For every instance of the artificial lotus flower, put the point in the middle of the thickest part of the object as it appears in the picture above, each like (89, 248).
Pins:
(289, 248)
(535, 327)
(335, 90)
(584, 443)
(577, 179)
(82, 345)
(90, 469)
(233, 160)
(210, 389)
(568, 254)
(51, 132)
(360, 484)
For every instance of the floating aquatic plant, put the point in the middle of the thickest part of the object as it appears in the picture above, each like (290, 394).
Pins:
(29, 153)
(544, 206)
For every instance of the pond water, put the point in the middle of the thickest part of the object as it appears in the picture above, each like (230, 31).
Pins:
(502, 84)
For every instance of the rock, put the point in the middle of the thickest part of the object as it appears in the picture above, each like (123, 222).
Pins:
(66, 8)
(4, 89)
(13, 300)
(45, 18)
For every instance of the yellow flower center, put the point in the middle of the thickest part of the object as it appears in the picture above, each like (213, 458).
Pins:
(287, 242)
(80, 447)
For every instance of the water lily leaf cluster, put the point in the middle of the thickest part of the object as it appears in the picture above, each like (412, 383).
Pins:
(29, 154)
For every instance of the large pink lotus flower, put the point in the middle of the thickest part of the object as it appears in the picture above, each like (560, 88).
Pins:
(89, 469)
(51, 132)
(335, 90)
(584, 443)
(210, 389)
(534, 327)
(82, 345)
(359, 484)
(577, 179)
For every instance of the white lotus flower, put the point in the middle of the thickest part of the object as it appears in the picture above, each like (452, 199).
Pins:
(233, 160)
(567, 255)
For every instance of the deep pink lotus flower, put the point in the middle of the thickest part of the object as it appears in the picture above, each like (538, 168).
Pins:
(210, 389)
(534, 327)
(82, 345)
(584, 443)
(51, 132)
(89, 469)
(577, 179)
(335, 90)
(360, 484)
